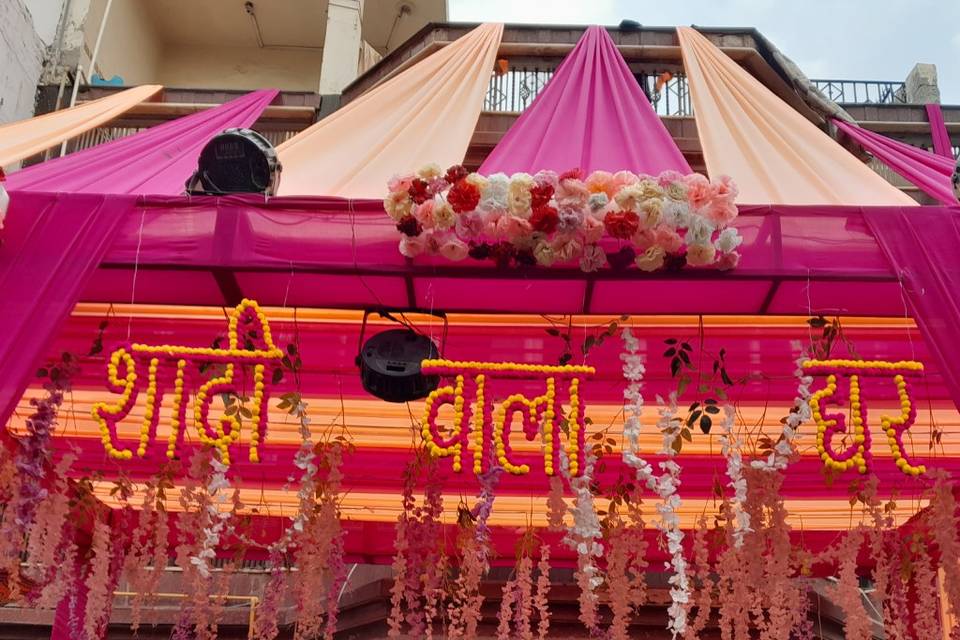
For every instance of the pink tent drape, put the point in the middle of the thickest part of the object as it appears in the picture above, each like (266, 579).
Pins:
(929, 171)
(774, 154)
(921, 245)
(592, 115)
(938, 131)
(24, 138)
(156, 161)
(423, 115)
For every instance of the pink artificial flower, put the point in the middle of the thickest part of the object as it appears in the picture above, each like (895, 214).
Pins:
(720, 211)
(620, 180)
(667, 238)
(469, 225)
(512, 227)
(593, 258)
(424, 213)
(592, 229)
(728, 261)
(412, 246)
(668, 177)
(400, 183)
(601, 182)
(725, 187)
(566, 248)
(572, 193)
(547, 177)
(643, 239)
(454, 249)
(699, 190)
(491, 224)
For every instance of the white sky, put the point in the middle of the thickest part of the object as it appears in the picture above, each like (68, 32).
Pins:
(836, 39)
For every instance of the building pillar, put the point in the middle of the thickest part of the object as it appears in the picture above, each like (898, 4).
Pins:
(921, 84)
(341, 46)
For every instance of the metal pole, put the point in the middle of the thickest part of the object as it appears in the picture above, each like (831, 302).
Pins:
(96, 46)
(73, 101)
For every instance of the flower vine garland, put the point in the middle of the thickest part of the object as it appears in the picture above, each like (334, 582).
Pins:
(617, 219)
(801, 412)
(666, 484)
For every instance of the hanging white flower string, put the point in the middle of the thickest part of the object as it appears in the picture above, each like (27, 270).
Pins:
(584, 533)
(785, 447)
(730, 447)
(666, 484)
(218, 490)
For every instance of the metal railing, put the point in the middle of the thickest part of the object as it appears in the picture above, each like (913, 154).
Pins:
(515, 90)
(863, 91)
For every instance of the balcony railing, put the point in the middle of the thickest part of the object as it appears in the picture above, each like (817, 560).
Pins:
(863, 91)
(515, 90)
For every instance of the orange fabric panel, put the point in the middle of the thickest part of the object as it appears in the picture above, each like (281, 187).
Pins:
(773, 153)
(24, 138)
(425, 114)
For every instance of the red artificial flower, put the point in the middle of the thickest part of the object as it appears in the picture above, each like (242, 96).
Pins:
(455, 174)
(419, 190)
(622, 224)
(410, 226)
(544, 219)
(575, 174)
(540, 194)
(463, 196)
(502, 253)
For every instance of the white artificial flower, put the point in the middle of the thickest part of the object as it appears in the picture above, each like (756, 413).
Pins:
(728, 240)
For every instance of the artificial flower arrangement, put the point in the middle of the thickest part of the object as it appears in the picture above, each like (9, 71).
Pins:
(617, 219)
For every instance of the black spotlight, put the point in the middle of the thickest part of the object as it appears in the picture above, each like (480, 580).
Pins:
(390, 362)
(236, 161)
(630, 25)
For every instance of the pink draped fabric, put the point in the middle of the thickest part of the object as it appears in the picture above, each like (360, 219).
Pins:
(49, 252)
(921, 244)
(930, 172)
(938, 131)
(592, 115)
(156, 161)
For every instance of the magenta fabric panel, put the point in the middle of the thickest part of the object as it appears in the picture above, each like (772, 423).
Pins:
(51, 247)
(592, 115)
(921, 244)
(930, 172)
(155, 161)
(938, 131)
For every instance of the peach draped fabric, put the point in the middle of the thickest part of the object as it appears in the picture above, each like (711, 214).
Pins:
(775, 155)
(425, 114)
(24, 138)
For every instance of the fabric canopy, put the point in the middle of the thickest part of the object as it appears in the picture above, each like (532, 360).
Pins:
(22, 139)
(425, 114)
(774, 154)
(929, 171)
(938, 131)
(592, 115)
(155, 161)
(921, 245)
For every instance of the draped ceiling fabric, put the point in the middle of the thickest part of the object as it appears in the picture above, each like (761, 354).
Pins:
(774, 154)
(24, 138)
(938, 131)
(593, 115)
(425, 114)
(155, 161)
(929, 171)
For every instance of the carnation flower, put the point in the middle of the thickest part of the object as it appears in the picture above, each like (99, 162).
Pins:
(728, 261)
(479, 251)
(621, 179)
(667, 238)
(566, 248)
(600, 182)
(676, 214)
(643, 238)
(725, 187)
(469, 225)
(544, 253)
(409, 226)
(699, 230)
(502, 253)
(456, 173)
(629, 198)
(544, 219)
(728, 240)
(570, 221)
(443, 216)
(512, 227)
(592, 230)
(518, 195)
(400, 183)
(476, 180)
(540, 194)
(398, 205)
(651, 211)
(419, 190)
(700, 254)
(621, 224)
(721, 211)
(411, 246)
(699, 190)
(424, 213)
(571, 193)
(651, 259)
(463, 196)
(593, 258)
(668, 177)
(676, 191)
(493, 196)
(454, 249)
(547, 177)
(597, 201)
(430, 171)
(650, 189)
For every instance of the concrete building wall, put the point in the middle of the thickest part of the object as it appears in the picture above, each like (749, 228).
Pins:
(22, 53)
(130, 47)
(239, 68)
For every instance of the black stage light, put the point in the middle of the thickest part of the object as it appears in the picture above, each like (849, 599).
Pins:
(390, 362)
(236, 161)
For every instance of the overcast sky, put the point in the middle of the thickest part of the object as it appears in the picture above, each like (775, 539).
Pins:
(837, 39)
